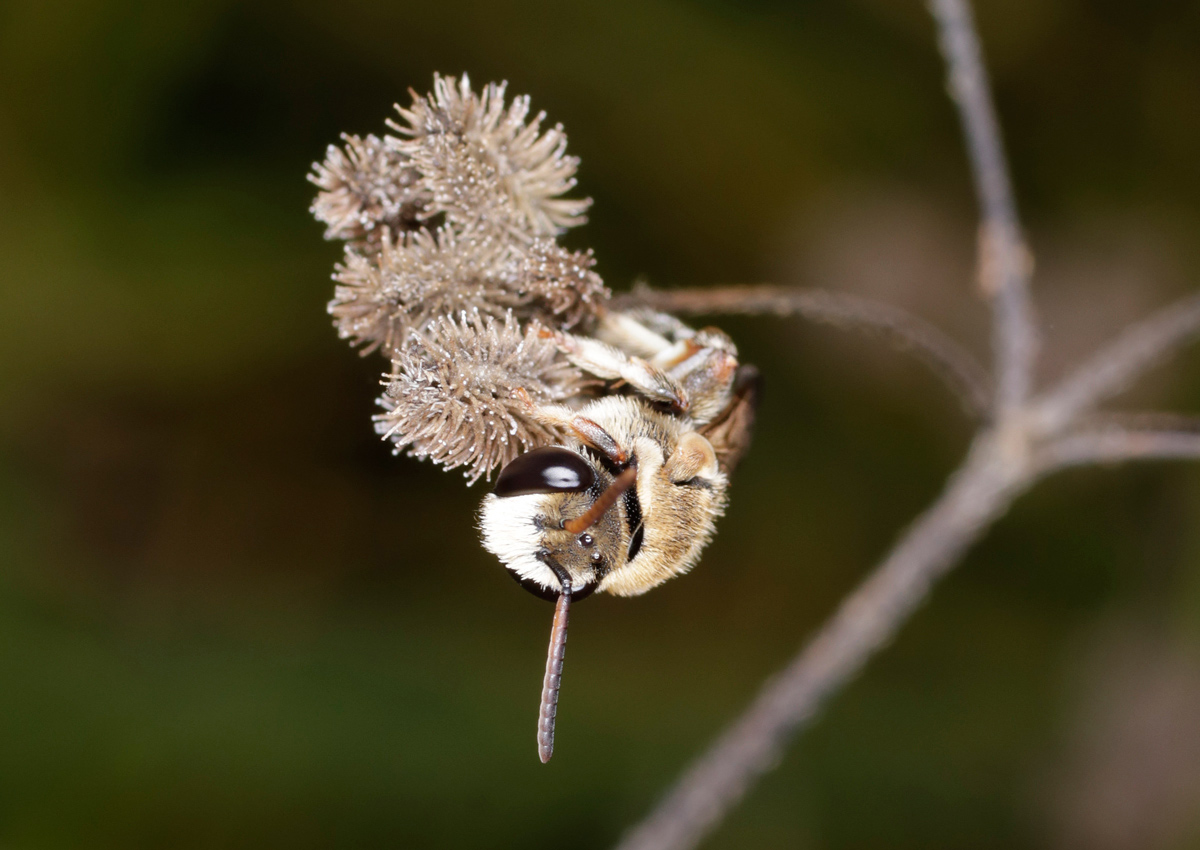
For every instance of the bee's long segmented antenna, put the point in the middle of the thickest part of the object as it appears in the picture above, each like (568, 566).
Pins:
(550, 685)
(606, 500)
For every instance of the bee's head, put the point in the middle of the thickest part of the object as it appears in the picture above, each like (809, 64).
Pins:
(550, 520)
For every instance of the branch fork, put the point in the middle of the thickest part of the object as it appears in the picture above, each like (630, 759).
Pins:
(1022, 437)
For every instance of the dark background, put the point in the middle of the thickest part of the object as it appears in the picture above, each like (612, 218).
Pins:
(230, 618)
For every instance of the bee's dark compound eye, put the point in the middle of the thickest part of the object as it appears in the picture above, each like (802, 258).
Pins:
(546, 470)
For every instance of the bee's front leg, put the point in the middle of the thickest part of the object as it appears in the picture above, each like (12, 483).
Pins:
(588, 431)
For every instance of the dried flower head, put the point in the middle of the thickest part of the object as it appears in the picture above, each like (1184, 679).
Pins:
(407, 283)
(404, 284)
(457, 216)
(482, 165)
(365, 189)
(453, 395)
(559, 284)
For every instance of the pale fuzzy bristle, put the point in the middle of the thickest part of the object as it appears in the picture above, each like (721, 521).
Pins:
(558, 285)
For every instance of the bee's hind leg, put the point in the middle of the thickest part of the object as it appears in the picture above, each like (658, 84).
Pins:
(642, 332)
(693, 458)
(732, 429)
(611, 363)
(698, 365)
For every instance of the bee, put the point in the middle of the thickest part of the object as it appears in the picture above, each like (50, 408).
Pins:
(501, 340)
(631, 497)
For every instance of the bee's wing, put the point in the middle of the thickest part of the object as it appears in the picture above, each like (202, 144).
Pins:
(730, 432)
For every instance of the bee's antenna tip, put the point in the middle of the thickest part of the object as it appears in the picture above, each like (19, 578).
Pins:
(553, 679)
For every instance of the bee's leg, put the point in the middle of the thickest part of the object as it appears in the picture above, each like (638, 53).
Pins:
(588, 431)
(707, 375)
(662, 340)
(702, 362)
(693, 458)
(730, 430)
(607, 361)
(642, 333)
(663, 324)
(591, 433)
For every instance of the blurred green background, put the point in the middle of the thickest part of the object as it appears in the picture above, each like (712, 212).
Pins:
(230, 618)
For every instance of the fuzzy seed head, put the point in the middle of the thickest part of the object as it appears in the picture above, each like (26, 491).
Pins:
(454, 394)
(483, 164)
(558, 286)
(380, 297)
(365, 189)
(457, 215)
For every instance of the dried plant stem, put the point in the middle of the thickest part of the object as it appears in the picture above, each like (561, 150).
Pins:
(999, 467)
(1004, 262)
(978, 493)
(1117, 365)
(1119, 445)
(1025, 438)
(946, 358)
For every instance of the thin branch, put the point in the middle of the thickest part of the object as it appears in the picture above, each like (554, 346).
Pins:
(1004, 261)
(949, 361)
(1117, 444)
(867, 620)
(1138, 420)
(1114, 367)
